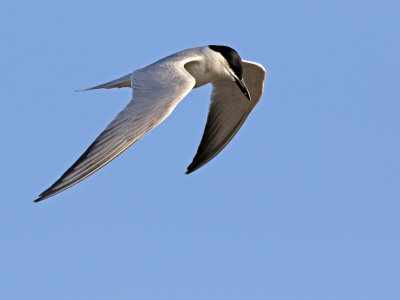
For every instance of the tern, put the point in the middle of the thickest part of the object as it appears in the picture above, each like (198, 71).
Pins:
(156, 91)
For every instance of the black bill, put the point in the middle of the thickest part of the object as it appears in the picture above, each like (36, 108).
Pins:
(243, 88)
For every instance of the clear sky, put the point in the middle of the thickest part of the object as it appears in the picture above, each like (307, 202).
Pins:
(304, 203)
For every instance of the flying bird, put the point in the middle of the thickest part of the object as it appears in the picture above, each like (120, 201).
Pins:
(156, 91)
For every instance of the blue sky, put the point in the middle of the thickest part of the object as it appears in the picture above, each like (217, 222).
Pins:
(302, 204)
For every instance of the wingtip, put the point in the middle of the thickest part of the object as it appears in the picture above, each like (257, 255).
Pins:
(190, 169)
(82, 90)
(41, 197)
(37, 200)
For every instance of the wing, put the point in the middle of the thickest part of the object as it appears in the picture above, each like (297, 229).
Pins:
(124, 81)
(156, 90)
(228, 110)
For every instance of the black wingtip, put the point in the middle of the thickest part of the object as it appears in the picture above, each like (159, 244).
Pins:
(191, 168)
(42, 197)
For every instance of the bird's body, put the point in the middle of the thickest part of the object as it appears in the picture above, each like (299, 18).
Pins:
(157, 89)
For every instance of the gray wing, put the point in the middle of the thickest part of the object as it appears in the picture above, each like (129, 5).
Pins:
(124, 81)
(156, 90)
(229, 108)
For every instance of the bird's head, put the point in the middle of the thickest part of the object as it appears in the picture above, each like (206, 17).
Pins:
(232, 64)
